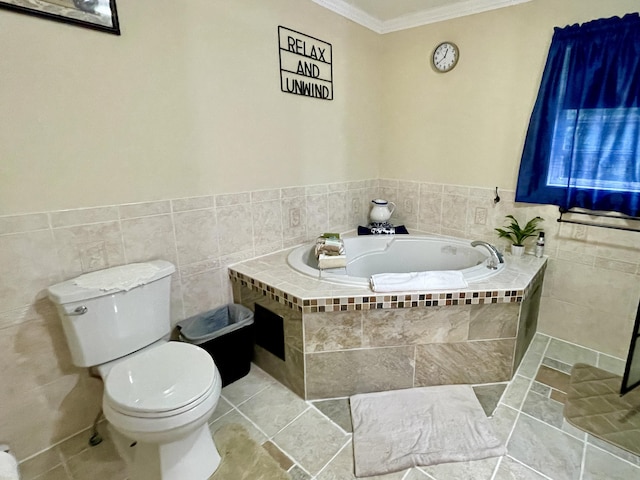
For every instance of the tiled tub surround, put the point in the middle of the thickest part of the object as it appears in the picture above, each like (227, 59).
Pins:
(341, 340)
(587, 265)
(46, 399)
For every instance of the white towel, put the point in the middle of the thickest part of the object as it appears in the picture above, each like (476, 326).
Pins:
(8, 467)
(417, 281)
(396, 430)
(124, 277)
(331, 261)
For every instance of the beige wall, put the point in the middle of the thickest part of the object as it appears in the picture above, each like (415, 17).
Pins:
(467, 127)
(184, 114)
(186, 102)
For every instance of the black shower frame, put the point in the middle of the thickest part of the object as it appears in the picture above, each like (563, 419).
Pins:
(624, 388)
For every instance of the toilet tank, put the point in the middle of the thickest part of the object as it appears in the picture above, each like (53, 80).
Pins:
(111, 313)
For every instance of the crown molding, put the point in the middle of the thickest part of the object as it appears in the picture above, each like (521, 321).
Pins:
(425, 17)
(445, 12)
(352, 13)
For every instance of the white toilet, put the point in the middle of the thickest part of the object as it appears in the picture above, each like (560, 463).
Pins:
(158, 395)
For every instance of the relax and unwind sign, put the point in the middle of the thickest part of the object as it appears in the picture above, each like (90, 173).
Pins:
(305, 65)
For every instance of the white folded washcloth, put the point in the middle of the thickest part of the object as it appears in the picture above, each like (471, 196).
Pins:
(417, 281)
(8, 467)
(124, 277)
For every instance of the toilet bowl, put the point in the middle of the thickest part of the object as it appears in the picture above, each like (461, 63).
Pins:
(159, 401)
(158, 395)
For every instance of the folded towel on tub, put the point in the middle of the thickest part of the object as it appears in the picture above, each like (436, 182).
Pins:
(329, 246)
(417, 281)
(331, 261)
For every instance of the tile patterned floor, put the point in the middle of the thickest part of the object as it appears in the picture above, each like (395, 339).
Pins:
(312, 440)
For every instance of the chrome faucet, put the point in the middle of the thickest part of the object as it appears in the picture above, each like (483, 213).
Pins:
(496, 256)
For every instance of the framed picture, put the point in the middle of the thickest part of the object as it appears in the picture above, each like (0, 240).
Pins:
(95, 14)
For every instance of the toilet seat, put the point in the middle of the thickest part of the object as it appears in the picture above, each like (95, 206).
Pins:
(132, 412)
(163, 381)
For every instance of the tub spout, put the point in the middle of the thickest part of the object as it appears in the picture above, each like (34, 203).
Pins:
(496, 256)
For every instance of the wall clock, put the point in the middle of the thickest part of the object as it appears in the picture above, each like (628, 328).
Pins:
(445, 57)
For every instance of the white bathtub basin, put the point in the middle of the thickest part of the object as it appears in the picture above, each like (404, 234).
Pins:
(369, 255)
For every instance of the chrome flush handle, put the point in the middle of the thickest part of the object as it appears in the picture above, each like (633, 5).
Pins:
(81, 310)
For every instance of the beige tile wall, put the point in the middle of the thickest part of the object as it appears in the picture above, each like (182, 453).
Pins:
(592, 284)
(384, 349)
(590, 292)
(46, 399)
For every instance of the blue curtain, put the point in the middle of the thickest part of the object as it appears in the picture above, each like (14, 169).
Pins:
(582, 147)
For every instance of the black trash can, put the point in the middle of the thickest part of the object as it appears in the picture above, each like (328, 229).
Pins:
(227, 334)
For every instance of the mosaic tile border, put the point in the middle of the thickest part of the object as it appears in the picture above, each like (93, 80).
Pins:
(273, 293)
(372, 302)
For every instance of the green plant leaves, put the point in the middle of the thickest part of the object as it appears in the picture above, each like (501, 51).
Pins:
(516, 234)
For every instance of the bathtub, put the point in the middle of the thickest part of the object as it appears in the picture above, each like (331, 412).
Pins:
(341, 340)
(369, 255)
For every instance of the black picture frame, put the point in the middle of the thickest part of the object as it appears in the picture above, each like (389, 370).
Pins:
(99, 15)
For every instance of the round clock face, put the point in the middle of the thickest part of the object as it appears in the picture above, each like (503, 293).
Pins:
(445, 56)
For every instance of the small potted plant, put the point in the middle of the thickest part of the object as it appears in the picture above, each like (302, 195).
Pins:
(517, 234)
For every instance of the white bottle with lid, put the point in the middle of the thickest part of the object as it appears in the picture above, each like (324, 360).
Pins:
(540, 245)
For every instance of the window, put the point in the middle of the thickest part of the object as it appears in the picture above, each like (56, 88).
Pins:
(578, 134)
(583, 144)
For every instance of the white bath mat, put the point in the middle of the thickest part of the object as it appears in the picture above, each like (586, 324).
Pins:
(400, 429)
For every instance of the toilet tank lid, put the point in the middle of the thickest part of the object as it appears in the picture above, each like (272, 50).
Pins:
(109, 281)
